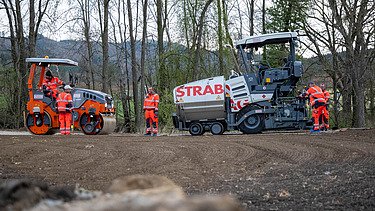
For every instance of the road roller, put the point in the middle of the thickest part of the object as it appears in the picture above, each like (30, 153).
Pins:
(93, 111)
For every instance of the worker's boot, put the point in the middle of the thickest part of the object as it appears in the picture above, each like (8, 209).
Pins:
(148, 128)
(315, 129)
(326, 124)
(154, 129)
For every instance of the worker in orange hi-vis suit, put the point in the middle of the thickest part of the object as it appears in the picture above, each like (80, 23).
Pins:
(50, 84)
(326, 113)
(317, 103)
(150, 106)
(64, 107)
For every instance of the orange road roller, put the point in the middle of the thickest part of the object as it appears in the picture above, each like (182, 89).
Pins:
(93, 111)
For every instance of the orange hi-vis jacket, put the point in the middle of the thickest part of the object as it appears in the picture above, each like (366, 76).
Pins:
(63, 100)
(326, 95)
(316, 95)
(52, 84)
(151, 102)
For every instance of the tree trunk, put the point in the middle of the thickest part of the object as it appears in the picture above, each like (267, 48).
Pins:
(228, 38)
(335, 103)
(32, 35)
(220, 38)
(127, 115)
(196, 60)
(85, 8)
(144, 46)
(162, 72)
(104, 34)
(372, 100)
(134, 69)
(252, 17)
(359, 104)
(240, 19)
(186, 25)
(34, 23)
(21, 65)
(264, 28)
(347, 105)
(87, 28)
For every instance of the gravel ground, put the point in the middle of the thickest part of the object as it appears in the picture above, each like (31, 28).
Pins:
(270, 171)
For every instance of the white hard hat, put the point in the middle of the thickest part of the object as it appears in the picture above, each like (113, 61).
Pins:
(68, 87)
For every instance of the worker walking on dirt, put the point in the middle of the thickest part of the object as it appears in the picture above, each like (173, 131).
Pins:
(64, 107)
(50, 84)
(326, 112)
(150, 106)
(317, 102)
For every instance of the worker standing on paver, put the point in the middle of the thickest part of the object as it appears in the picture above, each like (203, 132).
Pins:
(50, 84)
(150, 106)
(317, 102)
(326, 112)
(64, 107)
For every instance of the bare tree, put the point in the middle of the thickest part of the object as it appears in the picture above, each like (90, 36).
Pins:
(220, 37)
(228, 38)
(198, 39)
(325, 38)
(103, 19)
(347, 39)
(144, 46)
(250, 10)
(85, 8)
(35, 20)
(18, 51)
(354, 22)
(162, 72)
(134, 68)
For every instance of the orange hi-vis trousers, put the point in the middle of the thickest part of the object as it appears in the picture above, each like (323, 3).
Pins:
(316, 113)
(151, 121)
(65, 119)
(326, 118)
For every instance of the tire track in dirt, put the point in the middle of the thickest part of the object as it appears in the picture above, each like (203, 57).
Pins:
(254, 167)
(282, 152)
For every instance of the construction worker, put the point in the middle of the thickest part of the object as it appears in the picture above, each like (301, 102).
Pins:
(50, 84)
(150, 106)
(64, 107)
(326, 112)
(317, 102)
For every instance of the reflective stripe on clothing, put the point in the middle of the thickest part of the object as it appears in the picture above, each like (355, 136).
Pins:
(65, 120)
(147, 100)
(319, 100)
(148, 107)
(63, 100)
(316, 95)
(53, 83)
(326, 95)
(151, 101)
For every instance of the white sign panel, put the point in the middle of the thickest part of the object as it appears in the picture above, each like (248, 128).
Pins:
(210, 89)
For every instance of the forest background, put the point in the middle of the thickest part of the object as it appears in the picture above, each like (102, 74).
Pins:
(124, 45)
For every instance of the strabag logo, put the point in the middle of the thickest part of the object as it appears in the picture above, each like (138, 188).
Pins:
(186, 91)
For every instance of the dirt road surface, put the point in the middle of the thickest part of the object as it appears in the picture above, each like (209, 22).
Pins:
(271, 171)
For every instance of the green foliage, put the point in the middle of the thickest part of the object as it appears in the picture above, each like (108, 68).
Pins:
(8, 98)
(166, 108)
(286, 15)
(275, 55)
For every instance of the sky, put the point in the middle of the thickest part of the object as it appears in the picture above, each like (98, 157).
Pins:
(66, 26)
